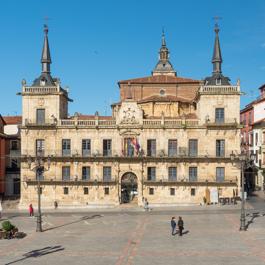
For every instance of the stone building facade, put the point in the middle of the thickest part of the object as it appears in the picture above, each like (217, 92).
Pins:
(168, 140)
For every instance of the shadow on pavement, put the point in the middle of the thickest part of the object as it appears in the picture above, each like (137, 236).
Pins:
(253, 217)
(74, 222)
(38, 253)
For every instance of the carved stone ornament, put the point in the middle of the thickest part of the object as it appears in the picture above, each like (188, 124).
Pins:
(41, 101)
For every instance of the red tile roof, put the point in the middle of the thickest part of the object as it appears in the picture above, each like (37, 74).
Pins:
(164, 99)
(12, 119)
(159, 79)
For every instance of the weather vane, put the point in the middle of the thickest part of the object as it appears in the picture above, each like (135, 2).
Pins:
(216, 19)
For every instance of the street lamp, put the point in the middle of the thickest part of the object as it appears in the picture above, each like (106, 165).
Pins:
(245, 162)
(39, 169)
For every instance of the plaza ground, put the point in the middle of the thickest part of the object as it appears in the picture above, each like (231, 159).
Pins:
(132, 236)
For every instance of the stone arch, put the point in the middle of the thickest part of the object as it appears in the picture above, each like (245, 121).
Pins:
(129, 187)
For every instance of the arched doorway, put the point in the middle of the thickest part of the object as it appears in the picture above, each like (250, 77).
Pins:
(129, 188)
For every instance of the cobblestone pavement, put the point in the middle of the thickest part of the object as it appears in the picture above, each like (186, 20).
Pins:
(211, 237)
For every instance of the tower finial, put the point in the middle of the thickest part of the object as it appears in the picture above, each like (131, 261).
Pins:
(163, 38)
(46, 57)
(217, 56)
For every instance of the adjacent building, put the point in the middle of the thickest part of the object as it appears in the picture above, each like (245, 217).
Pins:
(2, 157)
(169, 140)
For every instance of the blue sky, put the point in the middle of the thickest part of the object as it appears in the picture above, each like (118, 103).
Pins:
(94, 44)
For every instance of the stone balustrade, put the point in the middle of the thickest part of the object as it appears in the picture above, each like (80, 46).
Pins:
(219, 89)
(40, 90)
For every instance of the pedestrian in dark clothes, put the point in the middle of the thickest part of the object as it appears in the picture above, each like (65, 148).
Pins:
(173, 225)
(180, 225)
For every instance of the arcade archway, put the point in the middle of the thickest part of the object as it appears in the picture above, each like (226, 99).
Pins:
(129, 187)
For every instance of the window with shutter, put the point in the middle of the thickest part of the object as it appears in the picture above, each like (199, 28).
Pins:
(106, 147)
(86, 147)
(66, 173)
(106, 173)
(40, 119)
(172, 174)
(40, 147)
(220, 174)
(220, 148)
(193, 147)
(172, 147)
(66, 147)
(219, 115)
(151, 147)
(193, 174)
(85, 173)
(151, 173)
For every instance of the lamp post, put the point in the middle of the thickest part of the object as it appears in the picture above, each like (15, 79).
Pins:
(39, 169)
(245, 161)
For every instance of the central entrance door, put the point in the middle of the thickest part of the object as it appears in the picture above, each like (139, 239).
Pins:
(129, 188)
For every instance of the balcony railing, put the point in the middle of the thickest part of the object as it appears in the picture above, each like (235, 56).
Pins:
(219, 90)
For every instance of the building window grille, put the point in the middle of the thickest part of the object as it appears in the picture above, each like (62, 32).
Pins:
(220, 148)
(66, 173)
(86, 190)
(86, 147)
(106, 191)
(66, 147)
(172, 173)
(151, 173)
(106, 173)
(219, 115)
(193, 173)
(85, 173)
(220, 174)
(151, 147)
(192, 192)
(193, 147)
(65, 191)
(106, 147)
(172, 147)
(40, 116)
(40, 143)
(151, 191)
(39, 173)
(172, 191)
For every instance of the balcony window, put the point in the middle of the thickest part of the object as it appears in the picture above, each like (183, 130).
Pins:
(85, 173)
(40, 147)
(106, 173)
(172, 147)
(39, 173)
(220, 148)
(151, 173)
(66, 147)
(66, 173)
(40, 116)
(172, 174)
(130, 147)
(193, 173)
(219, 115)
(106, 147)
(220, 174)
(151, 147)
(193, 147)
(86, 147)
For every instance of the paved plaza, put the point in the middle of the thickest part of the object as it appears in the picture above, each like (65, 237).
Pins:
(127, 236)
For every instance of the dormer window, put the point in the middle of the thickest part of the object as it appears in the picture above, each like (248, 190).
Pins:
(43, 81)
(218, 82)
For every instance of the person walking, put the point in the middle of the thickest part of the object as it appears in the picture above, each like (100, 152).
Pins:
(180, 225)
(31, 210)
(173, 225)
(55, 205)
(146, 205)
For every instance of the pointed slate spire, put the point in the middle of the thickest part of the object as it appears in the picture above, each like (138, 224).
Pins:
(217, 78)
(217, 56)
(164, 66)
(46, 57)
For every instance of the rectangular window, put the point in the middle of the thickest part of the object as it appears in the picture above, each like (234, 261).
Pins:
(192, 192)
(106, 191)
(14, 145)
(66, 147)
(249, 118)
(65, 191)
(219, 115)
(86, 190)
(220, 148)
(220, 174)
(151, 173)
(106, 147)
(172, 191)
(106, 173)
(130, 147)
(193, 147)
(86, 147)
(251, 141)
(256, 139)
(172, 174)
(40, 119)
(66, 173)
(85, 173)
(151, 147)
(151, 191)
(40, 147)
(39, 173)
(172, 147)
(193, 173)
